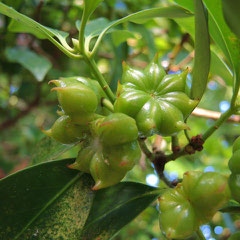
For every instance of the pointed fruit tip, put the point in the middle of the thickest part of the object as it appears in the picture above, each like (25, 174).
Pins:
(97, 186)
(184, 73)
(156, 58)
(47, 132)
(182, 126)
(72, 166)
(57, 89)
(53, 81)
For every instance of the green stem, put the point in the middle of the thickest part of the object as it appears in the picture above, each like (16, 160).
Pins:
(145, 149)
(107, 104)
(200, 235)
(82, 31)
(236, 88)
(100, 78)
(175, 143)
(218, 123)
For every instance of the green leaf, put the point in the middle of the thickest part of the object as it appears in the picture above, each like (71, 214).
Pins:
(90, 6)
(25, 24)
(122, 203)
(36, 64)
(47, 201)
(217, 64)
(220, 68)
(145, 15)
(231, 10)
(48, 149)
(202, 52)
(94, 27)
(50, 201)
(221, 33)
(188, 4)
(232, 207)
(120, 36)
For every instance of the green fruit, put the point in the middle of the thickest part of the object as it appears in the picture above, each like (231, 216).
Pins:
(234, 184)
(103, 173)
(234, 166)
(192, 203)
(158, 102)
(64, 131)
(234, 162)
(78, 101)
(235, 236)
(116, 129)
(177, 216)
(236, 145)
(208, 192)
(112, 150)
(92, 84)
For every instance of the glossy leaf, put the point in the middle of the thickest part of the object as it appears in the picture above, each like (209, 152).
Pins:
(37, 65)
(54, 202)
(122, 203)
(48, 149)
(23, 23)
(47, 201)
(90, 6)
(231, 209)
(219, 30)
(217, 65)
(221, 33)
(145, 15)
(231, 9)
(96, 26)
(220, 68)
(202, 52)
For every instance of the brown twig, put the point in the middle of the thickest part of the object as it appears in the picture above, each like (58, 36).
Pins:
(177, 49)
(200, 112)
(38, 11)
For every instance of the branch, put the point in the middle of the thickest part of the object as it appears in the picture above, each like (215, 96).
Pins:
(200, 112)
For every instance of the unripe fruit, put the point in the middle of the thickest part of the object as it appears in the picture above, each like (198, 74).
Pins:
(236, 145)
(208, 194)
(64, 131)
(80, 98)
(117, 129)
(112, 150)
(234, 162)
(158, 102)
(192, 203)
(79, 102)
(234, 166)
(234, 184)
(177, 216)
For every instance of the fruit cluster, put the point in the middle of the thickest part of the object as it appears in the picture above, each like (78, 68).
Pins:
(111, 151)
(234, 166)
(192, 203)
(109, 140)
(149, 102)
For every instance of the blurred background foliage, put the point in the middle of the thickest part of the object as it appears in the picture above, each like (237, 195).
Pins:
(26, 104)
